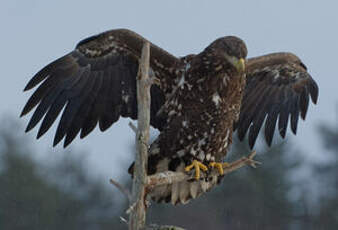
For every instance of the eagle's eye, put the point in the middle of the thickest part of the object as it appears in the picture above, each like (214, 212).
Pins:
(234, 46)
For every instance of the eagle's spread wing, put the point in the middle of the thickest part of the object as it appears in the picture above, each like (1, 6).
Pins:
(278, 87)
(96, 83)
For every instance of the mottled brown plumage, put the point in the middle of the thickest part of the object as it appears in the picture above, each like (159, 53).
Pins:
(200, 117)
(201, 99)
(278, 87)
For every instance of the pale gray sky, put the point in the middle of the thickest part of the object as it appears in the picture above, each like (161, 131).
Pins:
(36, 32)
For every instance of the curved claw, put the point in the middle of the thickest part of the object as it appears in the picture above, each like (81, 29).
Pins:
(219, 166)
(198, 166)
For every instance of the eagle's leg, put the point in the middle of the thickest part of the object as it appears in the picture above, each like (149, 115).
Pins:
(198, 166)
(219, 166)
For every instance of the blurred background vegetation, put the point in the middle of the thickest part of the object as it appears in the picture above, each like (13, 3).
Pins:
(285, 192)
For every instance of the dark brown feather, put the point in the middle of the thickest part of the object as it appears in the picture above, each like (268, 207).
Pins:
(278, 86)
(63, 62)
(110, 63)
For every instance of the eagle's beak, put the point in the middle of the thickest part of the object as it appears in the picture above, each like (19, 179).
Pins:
(240, 65)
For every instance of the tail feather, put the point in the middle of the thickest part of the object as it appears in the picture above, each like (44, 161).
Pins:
(162, 191)
(184, 191)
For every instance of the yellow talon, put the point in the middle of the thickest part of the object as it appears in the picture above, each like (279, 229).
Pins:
(219, 166)
(198, 166)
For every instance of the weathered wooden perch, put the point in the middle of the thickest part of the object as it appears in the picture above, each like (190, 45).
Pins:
(137, 216)
(170, 177)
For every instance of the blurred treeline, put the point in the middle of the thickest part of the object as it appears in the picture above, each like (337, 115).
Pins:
(283, 193)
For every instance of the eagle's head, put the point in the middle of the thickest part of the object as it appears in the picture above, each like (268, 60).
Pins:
(226, 53)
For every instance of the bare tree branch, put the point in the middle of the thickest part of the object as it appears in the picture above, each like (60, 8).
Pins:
(137, 216)
(121, 188)
(133, 127)
(170, 177)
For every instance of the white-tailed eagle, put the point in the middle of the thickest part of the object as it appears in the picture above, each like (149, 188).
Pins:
(203, 98)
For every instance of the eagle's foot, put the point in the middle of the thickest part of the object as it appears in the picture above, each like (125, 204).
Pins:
(219, 166)
(198, 167)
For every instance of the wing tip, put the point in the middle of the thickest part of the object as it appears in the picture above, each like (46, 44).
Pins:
(28, 129)
(294, 129)
(41, 132)
(58, 136)
(314, 91)
(251, 145)
(22, 113)
(282, 132)
(55, 142)
(30, 126)
(66, 143)
(29, 86)
(269, 138)
(26, 89)
(26, 109)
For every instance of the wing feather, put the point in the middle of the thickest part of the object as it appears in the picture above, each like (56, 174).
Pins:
(73, 126)
(63, 62)
(50, 97)
(107, 102)
(278, 88)
(96, 84)
(74, 99)
(55, 78)
(304, 103)
(258, 119)
(249, 109)
(270, 124)
(294, 113)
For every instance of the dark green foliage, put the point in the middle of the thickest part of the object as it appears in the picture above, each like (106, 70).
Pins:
(327, 174)
(34, 197)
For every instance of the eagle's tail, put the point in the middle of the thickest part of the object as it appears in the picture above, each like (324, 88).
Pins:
(184, 191)
(181, 192)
